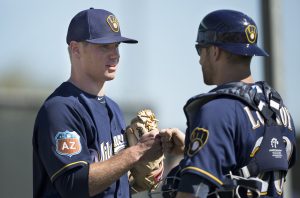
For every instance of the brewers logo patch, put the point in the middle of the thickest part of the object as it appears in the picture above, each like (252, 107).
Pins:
(68, 143)
(113, 23)
(198, 139)
(251, 33)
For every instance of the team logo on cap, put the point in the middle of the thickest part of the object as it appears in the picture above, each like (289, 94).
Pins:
(251, 33)
(198, 139)
(113, 23)
(68, 143)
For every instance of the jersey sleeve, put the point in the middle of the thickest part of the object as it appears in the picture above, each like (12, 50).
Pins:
(61, 139)
(193, 184)
(210, 151)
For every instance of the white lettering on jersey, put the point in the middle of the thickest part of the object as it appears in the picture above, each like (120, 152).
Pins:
(119, 143)
(285, 118)
(255, 123)
(65, 146)
(71, 146)
(260, 118)
(106, 151)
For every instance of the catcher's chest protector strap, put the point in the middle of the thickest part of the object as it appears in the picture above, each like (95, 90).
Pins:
(261, 97)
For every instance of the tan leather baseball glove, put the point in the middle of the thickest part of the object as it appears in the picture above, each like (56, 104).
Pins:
(144, 176)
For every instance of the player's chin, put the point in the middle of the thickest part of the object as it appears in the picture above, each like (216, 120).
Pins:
(110, 75)
(109, 78)
(207, 79)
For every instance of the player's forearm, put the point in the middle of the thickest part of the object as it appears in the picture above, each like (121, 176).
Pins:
(103, 174)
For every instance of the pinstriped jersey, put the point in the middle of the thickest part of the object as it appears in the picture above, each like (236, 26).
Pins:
(74, 129)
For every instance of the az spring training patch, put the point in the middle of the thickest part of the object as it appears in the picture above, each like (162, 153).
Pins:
(68, 143)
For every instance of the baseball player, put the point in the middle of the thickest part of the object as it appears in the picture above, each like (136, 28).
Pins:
(240, 137)
(78, 140)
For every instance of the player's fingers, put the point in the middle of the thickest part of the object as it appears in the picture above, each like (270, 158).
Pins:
(166, 135)
(151, 135)
(167, 146)
(177, 136)
(154, 132)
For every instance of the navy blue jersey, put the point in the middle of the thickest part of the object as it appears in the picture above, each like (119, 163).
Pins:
(72, 130)
(224, 134)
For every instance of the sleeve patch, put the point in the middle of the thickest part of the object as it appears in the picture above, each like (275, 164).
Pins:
(68, 143)
(198, 139)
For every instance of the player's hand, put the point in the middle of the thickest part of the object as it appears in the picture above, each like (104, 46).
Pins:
(172, 141)
(150, 146)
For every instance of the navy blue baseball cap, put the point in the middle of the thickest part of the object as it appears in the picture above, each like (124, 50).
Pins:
(232, 31)
(96, 26)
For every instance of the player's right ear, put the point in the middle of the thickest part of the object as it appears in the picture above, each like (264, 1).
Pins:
(74, 49)
(216, 51)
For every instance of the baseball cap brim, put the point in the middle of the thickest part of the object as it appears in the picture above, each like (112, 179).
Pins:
(111, 39)
(243, 49)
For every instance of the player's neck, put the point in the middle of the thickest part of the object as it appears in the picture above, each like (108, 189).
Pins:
(234, 74)
(248, 80)
(92, 88)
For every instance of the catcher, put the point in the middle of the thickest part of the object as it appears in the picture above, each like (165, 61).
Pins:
(240, 138)
(146, 175)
